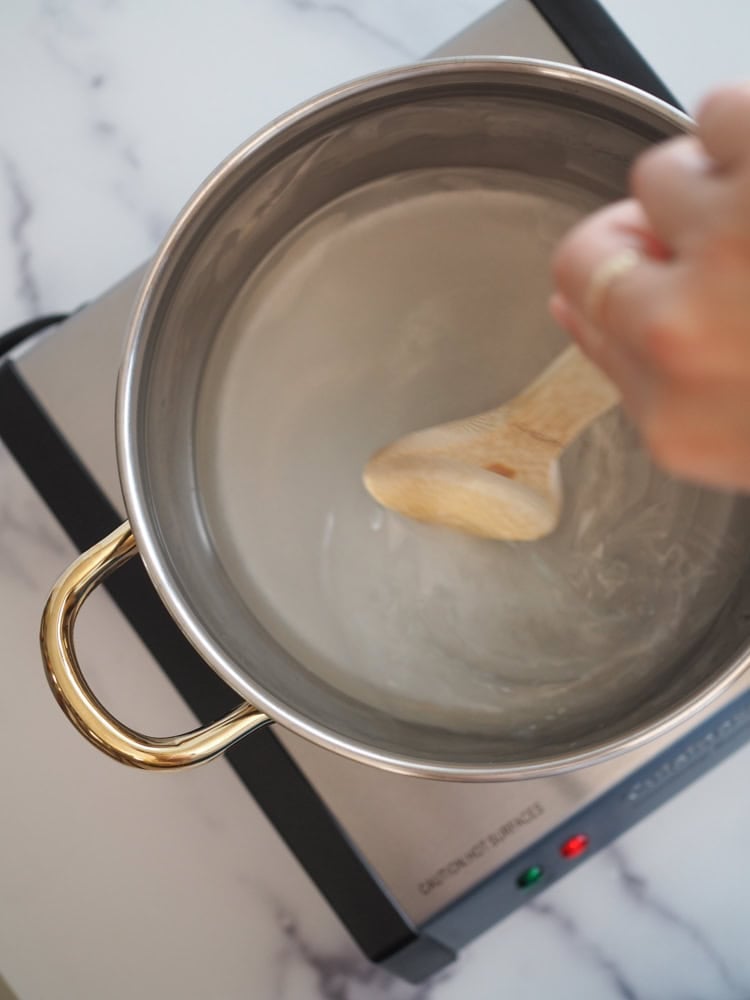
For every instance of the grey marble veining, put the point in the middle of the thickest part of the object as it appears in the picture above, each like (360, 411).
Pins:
(585, 949)
(362, 20)
(645, 895)
(118, 112)
(19, 215)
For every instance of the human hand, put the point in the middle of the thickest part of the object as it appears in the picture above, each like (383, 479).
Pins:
(656, 290)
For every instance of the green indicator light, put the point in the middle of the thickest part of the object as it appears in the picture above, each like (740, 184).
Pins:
(529, 877)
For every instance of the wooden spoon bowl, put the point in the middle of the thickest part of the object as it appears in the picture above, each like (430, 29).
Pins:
(496, 474)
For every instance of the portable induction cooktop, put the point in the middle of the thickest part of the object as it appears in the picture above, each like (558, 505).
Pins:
(413, 868)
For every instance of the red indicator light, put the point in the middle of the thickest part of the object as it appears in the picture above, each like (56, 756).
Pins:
(574, 846)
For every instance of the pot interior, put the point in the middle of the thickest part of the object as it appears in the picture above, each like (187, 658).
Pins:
(381, 274)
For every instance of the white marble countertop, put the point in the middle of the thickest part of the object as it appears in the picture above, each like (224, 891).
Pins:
(119, 885)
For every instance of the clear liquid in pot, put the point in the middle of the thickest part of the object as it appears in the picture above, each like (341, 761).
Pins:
(408, 302)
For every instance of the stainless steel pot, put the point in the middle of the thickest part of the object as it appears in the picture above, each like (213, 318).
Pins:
(550, 122)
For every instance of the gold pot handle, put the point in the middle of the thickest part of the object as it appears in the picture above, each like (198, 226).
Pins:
(81, 705)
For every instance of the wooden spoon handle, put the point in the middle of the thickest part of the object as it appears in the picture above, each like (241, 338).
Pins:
(567, 396)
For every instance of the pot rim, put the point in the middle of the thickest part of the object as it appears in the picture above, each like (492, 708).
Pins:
(147, 537)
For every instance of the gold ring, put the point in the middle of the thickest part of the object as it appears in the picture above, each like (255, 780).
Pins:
(601, 280)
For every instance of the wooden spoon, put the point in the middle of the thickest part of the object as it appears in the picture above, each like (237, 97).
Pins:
(496, 474)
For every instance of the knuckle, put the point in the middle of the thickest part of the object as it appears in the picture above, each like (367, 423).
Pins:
(661, 344)
(650, 166)
(728, 98)
(672, 351)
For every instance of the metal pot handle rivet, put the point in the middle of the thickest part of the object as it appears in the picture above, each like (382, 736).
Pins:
(81, 705)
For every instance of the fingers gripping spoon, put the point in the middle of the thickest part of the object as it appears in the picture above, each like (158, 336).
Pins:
(496, 474)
